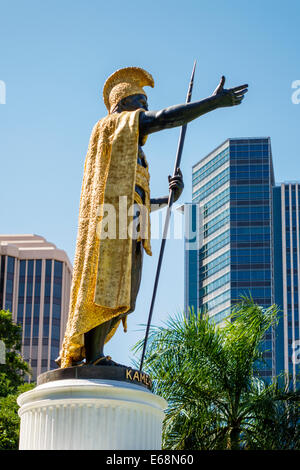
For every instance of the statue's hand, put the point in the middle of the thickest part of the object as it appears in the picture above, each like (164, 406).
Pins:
(230, 97)
(176, 184)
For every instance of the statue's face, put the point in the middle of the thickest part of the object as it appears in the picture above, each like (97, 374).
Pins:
(133, 102)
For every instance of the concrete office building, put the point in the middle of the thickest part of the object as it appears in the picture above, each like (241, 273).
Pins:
(35, 282)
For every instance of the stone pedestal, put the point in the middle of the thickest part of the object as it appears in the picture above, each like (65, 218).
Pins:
(90, 413)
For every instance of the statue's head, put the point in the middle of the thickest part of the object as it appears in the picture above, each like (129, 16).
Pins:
(123, 90)
(131, 103)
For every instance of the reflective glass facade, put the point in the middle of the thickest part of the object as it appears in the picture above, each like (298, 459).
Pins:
(287, 279)
(233, 188)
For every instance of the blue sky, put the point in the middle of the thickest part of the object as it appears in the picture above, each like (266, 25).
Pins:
(55, 57)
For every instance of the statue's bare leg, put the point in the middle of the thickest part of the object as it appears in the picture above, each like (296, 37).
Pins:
(95, 338)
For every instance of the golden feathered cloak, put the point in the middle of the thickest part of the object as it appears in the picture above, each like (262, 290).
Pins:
(102, 267)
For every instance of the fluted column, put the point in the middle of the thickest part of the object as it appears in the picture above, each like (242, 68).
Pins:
(90, 414)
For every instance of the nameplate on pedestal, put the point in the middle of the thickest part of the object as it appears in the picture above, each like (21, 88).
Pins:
(140, 377)
(118, 373)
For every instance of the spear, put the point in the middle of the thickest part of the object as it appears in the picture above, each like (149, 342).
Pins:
(168, 215)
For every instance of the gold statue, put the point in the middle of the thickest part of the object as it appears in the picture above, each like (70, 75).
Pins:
(107, 272)
(107, 269)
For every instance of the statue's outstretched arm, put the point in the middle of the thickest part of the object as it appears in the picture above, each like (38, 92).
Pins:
(178, 115)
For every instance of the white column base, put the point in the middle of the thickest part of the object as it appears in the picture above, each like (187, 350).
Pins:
(90, 414)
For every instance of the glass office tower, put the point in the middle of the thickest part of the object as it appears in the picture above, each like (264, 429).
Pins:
(35, 281)
(233, 188)
(287, 278)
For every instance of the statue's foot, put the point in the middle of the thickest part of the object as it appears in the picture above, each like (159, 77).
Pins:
(79, 363)
(104, 361)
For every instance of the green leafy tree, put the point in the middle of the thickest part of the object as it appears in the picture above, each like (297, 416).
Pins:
(208, 376)
(12, 377)
(9, 419)
(15, 369)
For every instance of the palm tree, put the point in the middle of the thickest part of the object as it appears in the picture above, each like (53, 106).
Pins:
(208, 375)
(276, 418)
